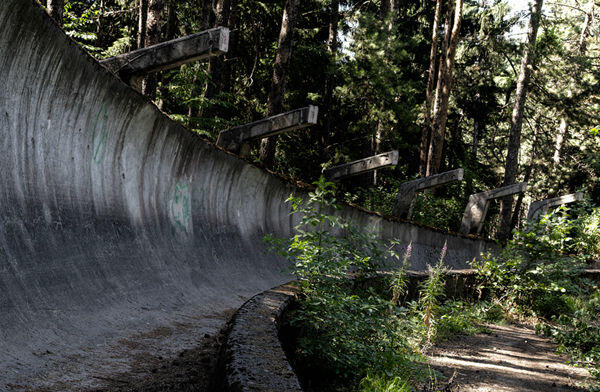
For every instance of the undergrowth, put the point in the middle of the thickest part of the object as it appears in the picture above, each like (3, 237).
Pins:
(539, 276)
(354, 335)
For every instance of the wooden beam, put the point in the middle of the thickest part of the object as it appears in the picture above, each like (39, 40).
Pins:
(233, 139)
(541, 207)
(405, 198)
(360, 166)
(472, 221)
(169, 54)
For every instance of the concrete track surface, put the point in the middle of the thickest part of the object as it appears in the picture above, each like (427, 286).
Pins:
(122, 233)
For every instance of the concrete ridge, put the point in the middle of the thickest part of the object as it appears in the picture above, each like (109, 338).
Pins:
(253, 357)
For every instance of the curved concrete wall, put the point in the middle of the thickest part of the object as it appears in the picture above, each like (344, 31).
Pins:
(115, 221)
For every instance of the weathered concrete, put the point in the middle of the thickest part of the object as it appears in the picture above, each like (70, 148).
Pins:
(472, 221)
(118, 224)
(253, 358)
(539, 208)
(405, 199)
(170, 54)
(233, 139)
(360, 166)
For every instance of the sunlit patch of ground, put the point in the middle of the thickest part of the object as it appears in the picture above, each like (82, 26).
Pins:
(510, 358)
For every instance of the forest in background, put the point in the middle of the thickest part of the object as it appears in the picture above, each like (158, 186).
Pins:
(507, 96)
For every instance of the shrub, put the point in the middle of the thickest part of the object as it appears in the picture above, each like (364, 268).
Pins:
(345, 328)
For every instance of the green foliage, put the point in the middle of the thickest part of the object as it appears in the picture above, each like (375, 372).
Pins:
(121, 45)
(383, 383)
(432, 292)
(349, 329)
(440, 212)
(577, 331)
(534, 276)
(587, 234)
(399, 281)
(345, 328)
(78, 22)
(532, 273)
(463, 318)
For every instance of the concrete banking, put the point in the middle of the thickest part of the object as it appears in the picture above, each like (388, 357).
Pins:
(116, 222)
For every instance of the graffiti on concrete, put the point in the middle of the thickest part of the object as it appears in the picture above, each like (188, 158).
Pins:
(180, 208)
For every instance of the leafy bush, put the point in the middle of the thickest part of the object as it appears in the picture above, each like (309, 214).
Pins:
(531, 273)
(346, 328)
(434, 211)
(461, 318)
(383, 383)
(587, 233)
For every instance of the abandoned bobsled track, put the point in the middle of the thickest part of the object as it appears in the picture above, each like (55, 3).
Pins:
(116, 222)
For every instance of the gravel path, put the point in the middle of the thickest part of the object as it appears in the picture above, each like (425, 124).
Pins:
(510, 358)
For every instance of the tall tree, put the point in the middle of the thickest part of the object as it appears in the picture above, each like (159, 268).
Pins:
(386, 13)
(153, 34)
(581, 49)
(332, 49)
(215, 65)
(205, 13)
(514, 143)
(142, 20)
(280, 70)
(170, 33)
(426, 129)
(55, 9)
(443, 88)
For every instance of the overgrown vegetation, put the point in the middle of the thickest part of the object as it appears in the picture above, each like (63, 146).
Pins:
(358, 335)
(539, 275)
(365, 335)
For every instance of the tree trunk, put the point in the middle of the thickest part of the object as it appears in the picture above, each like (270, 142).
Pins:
(142, 18)
(226, 78)
(55, 10)
(387, 14)
(475, 139)
(170, 34)
(527, 176)
(376, 146)
(215, 63)
(581, 49)
(172, 22)
(585, 31)
(280, 69)
(205, 16)
(153, 29)
(332, 48)
(426, 129)
(444, 86)
(560, 137)
(514, 142)
(385, 8)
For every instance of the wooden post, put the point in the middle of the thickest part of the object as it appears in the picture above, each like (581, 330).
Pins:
(472, 221)
(360, 166)
(406, 194)
(235, 139)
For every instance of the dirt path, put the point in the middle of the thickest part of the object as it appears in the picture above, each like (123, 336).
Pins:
(512, 358)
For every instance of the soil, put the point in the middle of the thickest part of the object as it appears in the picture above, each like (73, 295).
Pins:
(152, 368)
(191, 370)
(510, 358)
